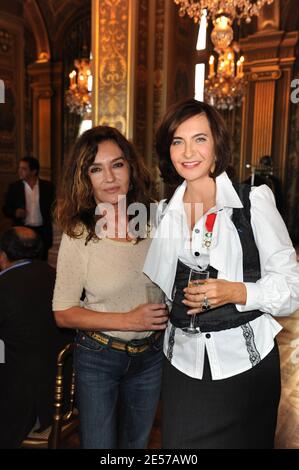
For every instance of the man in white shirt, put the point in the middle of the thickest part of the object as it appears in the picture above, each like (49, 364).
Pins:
(29, 201)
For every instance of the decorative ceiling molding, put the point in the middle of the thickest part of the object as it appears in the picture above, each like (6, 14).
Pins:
(35, 21)
(58, 7)
(59, 15)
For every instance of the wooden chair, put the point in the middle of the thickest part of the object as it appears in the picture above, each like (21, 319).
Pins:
(64, 423)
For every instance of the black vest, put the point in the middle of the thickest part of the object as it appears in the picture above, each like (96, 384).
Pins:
(227, 316)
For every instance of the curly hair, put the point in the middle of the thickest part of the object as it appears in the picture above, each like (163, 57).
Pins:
(75, 207)
(176, 115)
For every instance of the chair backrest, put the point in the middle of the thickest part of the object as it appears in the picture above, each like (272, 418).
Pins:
(64, 421)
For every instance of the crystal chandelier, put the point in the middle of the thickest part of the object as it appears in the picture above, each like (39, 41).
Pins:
(236, 9)
(78, 96)
(225, 86)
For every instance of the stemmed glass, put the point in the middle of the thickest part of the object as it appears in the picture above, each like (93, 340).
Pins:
(195, 278)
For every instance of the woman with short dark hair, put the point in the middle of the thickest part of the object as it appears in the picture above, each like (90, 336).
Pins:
(175, 116)
(118, 355)
(221, 380)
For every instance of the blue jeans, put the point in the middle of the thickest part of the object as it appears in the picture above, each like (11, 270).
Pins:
(117, 394)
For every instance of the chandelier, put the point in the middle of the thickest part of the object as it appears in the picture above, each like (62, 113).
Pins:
(226, 84)
(236, 9)
(225, 88)
(78, 96)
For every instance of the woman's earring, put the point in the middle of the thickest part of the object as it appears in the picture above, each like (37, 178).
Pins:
(131, 186)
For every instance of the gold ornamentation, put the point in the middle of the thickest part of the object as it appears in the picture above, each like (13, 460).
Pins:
(240, 9)
(6, 41)
(140, 132)
(158, 66)
(113, 51)
(78, 96)
(265, 75)
(43, 57)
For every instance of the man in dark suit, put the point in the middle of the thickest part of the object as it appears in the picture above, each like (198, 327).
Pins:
(29, 202)
(30, 337)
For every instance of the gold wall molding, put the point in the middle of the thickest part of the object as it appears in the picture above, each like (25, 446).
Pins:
(269, 59)
(113, 49)
(6, 42)
(263, 120)
(262, 75)
(144, 40)
(269, 17)
(57, 138)
(34, 19)
(41, 75)
(160, 65)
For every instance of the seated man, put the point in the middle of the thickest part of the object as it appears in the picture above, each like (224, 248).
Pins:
(30, 336)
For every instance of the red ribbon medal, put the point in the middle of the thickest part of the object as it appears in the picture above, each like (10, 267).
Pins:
(210, 220)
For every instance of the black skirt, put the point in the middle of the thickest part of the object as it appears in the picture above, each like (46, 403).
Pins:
(239, 412)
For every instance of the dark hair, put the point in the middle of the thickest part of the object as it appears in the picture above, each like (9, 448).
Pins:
(76, 204)
(266, 160)
(16, 246)
(176, 115)
(33, 163)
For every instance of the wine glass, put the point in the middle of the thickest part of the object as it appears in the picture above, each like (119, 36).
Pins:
(195, 278)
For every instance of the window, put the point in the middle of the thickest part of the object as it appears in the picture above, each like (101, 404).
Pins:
(199, 81)
(200, 68)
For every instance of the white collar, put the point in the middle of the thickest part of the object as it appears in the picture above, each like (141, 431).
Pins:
(226, 195)
(27, 185)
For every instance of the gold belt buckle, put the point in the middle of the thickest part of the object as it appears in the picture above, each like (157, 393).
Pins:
(133, 350)
(100, 339)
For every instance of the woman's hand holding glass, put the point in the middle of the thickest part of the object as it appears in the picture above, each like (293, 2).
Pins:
(150, 316)
(214, 293)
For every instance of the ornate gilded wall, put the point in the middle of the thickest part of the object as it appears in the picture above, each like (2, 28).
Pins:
(11, 71)
(151, 74)
(12, 111)
(142, 77)
(160, 67)
(111, 53)
(164, 70)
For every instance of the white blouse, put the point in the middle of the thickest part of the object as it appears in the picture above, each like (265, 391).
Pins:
(235, 350)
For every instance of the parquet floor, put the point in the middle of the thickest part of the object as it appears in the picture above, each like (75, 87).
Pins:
(287, 433)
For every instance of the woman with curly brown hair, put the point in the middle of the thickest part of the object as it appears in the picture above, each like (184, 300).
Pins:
(118, 354)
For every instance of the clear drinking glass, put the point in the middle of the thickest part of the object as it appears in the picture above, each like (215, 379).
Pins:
(195, 278)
